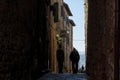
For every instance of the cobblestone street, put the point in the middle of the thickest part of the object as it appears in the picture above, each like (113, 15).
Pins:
(64, 76)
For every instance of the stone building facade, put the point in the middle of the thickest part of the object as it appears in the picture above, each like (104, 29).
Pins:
(103, 40)
(53, 41)
(23, 44)
(68, 27)
(69, 44)
(59, 24)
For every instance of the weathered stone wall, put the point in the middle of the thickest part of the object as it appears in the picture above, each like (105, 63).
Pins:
(100, 39)
(20, 47)
(109, 38)
(95, 40)
(119, 37)
(17, 19)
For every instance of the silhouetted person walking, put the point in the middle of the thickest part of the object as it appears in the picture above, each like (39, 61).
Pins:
(60, 58)
(74, 57)
(82, 68)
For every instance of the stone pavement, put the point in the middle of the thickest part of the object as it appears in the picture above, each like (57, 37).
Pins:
(64, 76)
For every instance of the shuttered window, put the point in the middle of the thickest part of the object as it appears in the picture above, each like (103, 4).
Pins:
(55, 12)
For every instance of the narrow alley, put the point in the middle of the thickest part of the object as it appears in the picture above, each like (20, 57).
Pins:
(64, 76)
(32, 31)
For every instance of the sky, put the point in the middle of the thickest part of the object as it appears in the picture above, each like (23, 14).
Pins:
(77, 9)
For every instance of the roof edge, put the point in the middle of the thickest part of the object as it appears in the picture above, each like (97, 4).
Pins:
(68, 9)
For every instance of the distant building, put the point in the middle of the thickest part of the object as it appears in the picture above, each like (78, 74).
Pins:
(61, 33)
